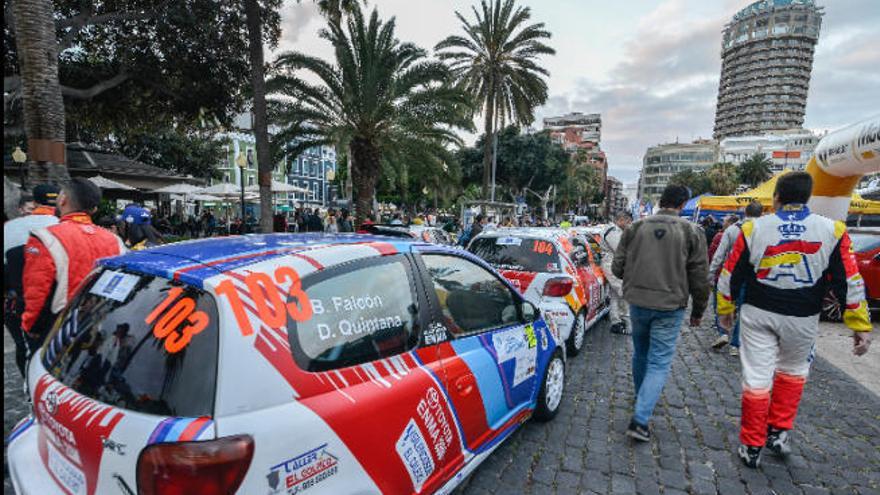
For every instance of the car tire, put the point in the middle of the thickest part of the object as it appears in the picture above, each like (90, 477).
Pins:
(576, 340)
(552, 388)
(832, 310)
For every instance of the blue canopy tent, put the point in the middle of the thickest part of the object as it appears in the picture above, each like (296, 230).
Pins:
(691, 206)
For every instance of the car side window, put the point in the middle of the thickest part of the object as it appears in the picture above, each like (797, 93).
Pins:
(360, 314)
(471, 298)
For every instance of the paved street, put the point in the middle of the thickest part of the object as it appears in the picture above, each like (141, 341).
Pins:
(837, 444)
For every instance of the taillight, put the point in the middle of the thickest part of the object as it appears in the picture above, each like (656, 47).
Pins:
(558, 287)
(206, 468)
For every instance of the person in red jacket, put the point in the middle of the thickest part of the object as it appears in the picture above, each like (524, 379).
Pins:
(57, 258)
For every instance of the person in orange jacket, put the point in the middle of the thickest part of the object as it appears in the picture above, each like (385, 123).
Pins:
(58, 258)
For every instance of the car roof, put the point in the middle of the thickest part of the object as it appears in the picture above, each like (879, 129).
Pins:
(193, 262)
(545, 233)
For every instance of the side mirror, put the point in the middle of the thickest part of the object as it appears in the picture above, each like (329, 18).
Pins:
(529, 312)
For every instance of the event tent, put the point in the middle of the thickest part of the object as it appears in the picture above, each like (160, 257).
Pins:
(763, 193)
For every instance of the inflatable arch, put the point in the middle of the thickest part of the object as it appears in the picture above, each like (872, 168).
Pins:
(841, 159)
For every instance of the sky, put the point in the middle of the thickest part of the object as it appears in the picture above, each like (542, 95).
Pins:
(650, 67)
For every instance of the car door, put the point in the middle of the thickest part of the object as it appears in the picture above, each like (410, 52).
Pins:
(489, 355)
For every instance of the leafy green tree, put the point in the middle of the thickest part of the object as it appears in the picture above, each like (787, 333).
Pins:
(195, 154)
(722, 179)
(379, 95)
(496, 63)
(135, 66)
(525, 161)
(582, 182)
(696, 181)
(755, 170)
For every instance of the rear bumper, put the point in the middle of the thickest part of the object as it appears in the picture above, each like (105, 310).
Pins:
(26, 469)
(559, 315)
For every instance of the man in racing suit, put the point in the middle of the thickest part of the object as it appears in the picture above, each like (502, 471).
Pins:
(787, 262)
(609, 240)
(58, 258)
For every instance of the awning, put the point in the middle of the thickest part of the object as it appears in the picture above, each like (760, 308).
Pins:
(105, 183)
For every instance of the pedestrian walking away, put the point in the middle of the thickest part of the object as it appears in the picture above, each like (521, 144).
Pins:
(662, 261)
(39, 214)
(716, 259)
(609, 241)
(57, 258)
(786, 262)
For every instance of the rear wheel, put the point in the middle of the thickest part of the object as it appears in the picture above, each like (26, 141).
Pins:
(552, 389)
(575, 342)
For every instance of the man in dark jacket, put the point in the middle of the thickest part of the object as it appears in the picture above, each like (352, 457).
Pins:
(661, 260)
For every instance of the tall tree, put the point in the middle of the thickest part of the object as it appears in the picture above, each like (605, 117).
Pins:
(128, 68)
(378, 94)
(755, 170)
(496, 63)
(43, 105)
(261, 126)
(722, 179)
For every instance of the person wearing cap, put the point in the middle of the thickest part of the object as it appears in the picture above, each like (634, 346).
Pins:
(15, 235)
(139, 231)
(58, 258)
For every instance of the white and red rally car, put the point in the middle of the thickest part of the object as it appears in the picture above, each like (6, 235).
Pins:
(283, 363)
(553, 270)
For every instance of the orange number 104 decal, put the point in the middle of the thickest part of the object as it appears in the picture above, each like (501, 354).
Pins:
(543, 247)
(272, 306)
(169, 318)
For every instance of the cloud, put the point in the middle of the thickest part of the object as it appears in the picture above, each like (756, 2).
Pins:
(665, 86)
(295, 18)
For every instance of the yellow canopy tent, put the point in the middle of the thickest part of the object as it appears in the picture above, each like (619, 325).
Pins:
(763, 193)
(862, 206)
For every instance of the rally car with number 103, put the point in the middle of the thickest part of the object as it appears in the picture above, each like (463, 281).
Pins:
(277, 364)
(555, 271)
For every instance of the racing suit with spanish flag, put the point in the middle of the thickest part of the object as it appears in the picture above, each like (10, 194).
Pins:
(788, 261)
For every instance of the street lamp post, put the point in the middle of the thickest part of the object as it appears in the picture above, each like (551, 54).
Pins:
(241, 161)
(19, 157)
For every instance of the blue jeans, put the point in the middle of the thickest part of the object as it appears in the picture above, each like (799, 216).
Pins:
(654, 335)
(734, 336)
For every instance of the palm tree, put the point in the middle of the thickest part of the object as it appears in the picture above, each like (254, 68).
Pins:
(41, 92)
(261, 128)
(755, 170)
(378, 95)
(495, 62)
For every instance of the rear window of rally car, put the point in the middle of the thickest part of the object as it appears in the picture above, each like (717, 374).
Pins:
(517, 253)
(138, 342)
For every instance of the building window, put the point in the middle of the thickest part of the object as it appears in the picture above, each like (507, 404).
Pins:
(250, 180)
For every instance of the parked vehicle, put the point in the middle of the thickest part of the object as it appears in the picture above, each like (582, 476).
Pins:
(560, 277)
(866, 246)
(279, 363)
(425, 233)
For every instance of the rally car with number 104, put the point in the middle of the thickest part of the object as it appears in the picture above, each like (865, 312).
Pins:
(555, 271)
(275, 364)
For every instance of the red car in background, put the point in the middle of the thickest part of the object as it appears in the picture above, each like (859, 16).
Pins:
(866, 245)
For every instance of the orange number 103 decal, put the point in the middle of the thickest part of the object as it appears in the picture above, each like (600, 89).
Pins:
(272, 306)
(169, 318)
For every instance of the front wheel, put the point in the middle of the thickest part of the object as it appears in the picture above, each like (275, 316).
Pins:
(552, 389)
(575, 342)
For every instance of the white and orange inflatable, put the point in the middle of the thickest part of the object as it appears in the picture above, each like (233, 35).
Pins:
(841, 159)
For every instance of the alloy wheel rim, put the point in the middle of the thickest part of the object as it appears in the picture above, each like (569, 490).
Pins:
(579, 332)
(555, 383)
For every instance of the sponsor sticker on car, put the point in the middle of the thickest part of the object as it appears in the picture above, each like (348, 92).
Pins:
(415, 454)
(114, 285)
(302, 472)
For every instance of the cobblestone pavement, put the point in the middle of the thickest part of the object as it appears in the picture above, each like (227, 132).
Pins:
(836, 444)
(584, 450)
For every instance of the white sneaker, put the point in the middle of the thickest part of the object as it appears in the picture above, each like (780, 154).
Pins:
(721, 341)
(734, 351)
